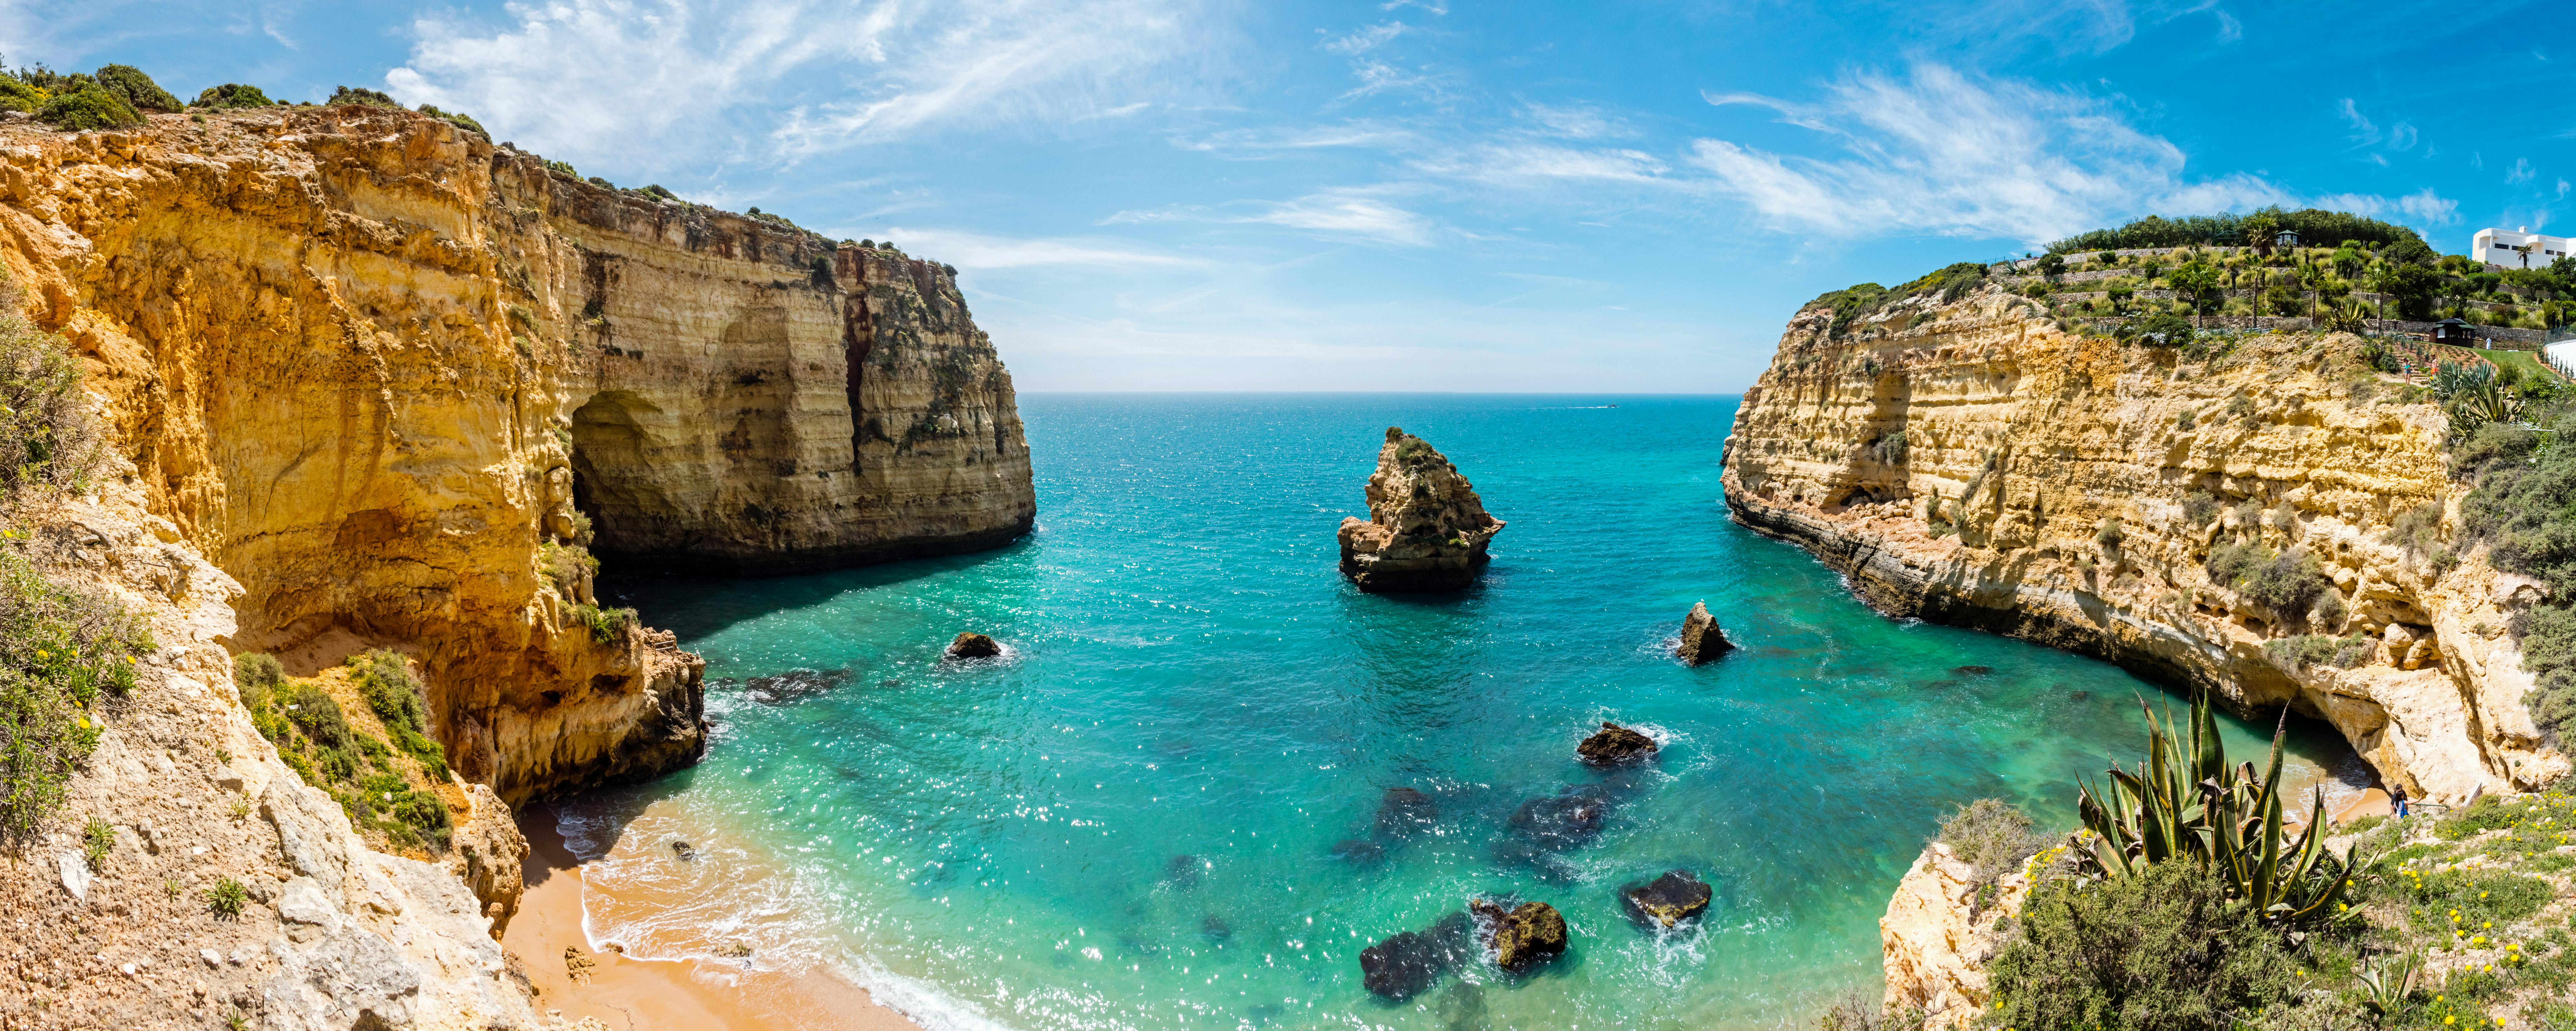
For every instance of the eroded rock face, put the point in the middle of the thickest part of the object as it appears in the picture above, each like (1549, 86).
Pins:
(488, 852)
(1969, 463)
(1935, 940)
(1615, 745)
(1668, 900)
(1427, 530)
(1521, 937)
(1701, 638)
(367, 363)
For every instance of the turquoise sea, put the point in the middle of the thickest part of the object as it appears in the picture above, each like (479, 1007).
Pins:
(1159, 810)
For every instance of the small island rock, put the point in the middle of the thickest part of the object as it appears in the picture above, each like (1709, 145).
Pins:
(1426, 529)
(1407, 963)
(1668, 900)
(1614, 746)
(1522, 937)
(1702, 640)
(971, 645)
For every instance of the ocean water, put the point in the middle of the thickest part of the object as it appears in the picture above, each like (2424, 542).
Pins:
(1160, 808)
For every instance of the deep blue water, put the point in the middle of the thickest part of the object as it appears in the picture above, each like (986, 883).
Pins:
(1132, 820)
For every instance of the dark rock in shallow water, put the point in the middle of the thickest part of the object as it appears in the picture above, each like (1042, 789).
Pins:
(1972, 671)
(684, 850)
(1702, 640)
(1667, 900)
(1563, 820)
(1410, 962)
(1615, 745)
(1215, 930)
(782, 688)
(1405, 812)
(972, 645)
(1358, 852)
(1183, 871)
(1521, 937)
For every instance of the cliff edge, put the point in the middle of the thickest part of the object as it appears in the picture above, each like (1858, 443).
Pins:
(1965, 461)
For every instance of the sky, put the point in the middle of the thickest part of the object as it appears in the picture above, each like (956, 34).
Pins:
(1437, 195)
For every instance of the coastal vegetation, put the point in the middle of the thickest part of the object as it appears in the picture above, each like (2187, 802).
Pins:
(117, 96)
(388, 791)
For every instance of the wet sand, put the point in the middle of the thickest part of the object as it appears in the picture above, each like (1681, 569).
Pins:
(640, 995)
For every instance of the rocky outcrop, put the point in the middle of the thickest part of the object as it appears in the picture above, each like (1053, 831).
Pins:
(1668, 900)
(368, 363)
(1614, 745)
(1971, 463)
(488, 851)
(1408, 963)
(1521, 937)
(1426, 531)
(971, 645)
(1702, 640)
(1936, 939)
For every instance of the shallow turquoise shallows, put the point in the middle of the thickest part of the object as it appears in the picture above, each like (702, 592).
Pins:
(1159, 809)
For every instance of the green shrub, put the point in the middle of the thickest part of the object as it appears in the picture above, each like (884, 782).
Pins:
(97, 840)
(318, 715)
(225, 899)
(2417, 528)
(398, 700)
(2199, 508)
(564, 167)
(229, 96)
(363, 97)
(1855, 302)
(136, 89)
(2320, 650)
(2287, 586)
(45, 440)
(2163, 949)
(255, 675)
(16, 95)
(607, 626)
(455, 118)
(88, 108)
(63, 650)
(1992, 836)
(1887, 450)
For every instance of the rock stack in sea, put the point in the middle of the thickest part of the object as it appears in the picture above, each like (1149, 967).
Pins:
(1426, 530)
(1520, 937)
(1702, 640)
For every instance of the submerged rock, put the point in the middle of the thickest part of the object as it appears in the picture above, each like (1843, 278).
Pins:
(1359, 852)
(1563, 820)
(685, 851)
(1972, 671)
(1215, 930)
(1667, 900)
(782, 688)
(971, 645)
(1409, 962)
(1183, 871)
(1405, 812)
(1521, 937)
(1426, 529)
(1615, 746)
(1702, 639)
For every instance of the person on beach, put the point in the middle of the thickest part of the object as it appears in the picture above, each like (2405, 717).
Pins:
(2397, 797)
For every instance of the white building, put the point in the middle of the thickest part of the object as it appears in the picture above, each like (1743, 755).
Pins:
(2519, 248)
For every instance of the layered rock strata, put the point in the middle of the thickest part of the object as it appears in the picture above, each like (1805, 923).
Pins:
(1426, 531)
(368, 363)
(357, 373)
(1969, 463)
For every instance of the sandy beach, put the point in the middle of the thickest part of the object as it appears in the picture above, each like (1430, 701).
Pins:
(641, 995)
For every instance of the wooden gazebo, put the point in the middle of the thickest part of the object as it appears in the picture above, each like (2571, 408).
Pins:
(2454, 331)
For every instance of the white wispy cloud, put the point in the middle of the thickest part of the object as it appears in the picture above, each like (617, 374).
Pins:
(1533, 162)
(1945, 153)
(1356, 214)
(1262, 142)
(2424, 208)
(1366, 39)
(617, 76)
(968, 250)
(2521, 172)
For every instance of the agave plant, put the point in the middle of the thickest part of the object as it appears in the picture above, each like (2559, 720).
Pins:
(2184, 804)
(2350, 316)
(2384, 988)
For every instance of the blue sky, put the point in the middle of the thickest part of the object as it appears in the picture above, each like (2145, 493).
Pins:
(1440, 194)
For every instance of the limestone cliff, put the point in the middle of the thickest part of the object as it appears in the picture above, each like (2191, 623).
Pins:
(1937, 937)
(1426, 531)
(1970, 463)
(366, 363)
(358, 372)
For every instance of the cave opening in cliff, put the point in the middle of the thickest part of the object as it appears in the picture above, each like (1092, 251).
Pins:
(613, 481)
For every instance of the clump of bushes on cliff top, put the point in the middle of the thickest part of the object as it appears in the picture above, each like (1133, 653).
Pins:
(66, 653)
(230, 96)
(607, 626)
(315, 738)
(1855, 302)
(2164, 948)
(2524, 507)
(363, 97)
(2228, 229)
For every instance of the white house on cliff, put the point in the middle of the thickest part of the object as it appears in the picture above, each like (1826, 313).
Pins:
(2519, 248)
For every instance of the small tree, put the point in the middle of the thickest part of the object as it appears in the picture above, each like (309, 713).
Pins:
(2050, 265)
(2259, 231)
(2194, 280)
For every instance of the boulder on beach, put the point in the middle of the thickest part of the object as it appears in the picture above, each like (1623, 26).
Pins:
(1407, 963)
(1667, 900)
(1523, 936)
(1426, 529)
(1615, 745)
(971, 645)
(1702, 640)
